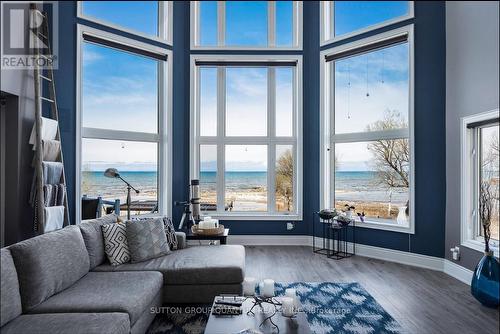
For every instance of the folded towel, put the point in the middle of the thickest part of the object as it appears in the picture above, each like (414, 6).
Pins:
(49, 131)
(54, 218)
(52, 172)
(51, 150)
(53, 194)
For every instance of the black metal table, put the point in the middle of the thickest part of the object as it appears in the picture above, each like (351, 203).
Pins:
(221, 237)
(335, 238)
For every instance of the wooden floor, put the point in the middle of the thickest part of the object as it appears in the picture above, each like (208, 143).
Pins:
(421, 300)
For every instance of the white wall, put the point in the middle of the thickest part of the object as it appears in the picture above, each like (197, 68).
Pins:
(471, 87)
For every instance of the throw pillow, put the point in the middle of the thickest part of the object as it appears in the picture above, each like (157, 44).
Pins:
(115, 243)
(147, 239)
(169, 230)
(170, 233)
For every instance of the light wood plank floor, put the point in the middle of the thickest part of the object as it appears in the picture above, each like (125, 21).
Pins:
(421, 300)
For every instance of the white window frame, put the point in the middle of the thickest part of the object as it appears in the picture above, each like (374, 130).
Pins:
(328, 138)
(165, 22)
(221, 28)
(327, 23)
(270, 139)
(469, 183)
(164, 136)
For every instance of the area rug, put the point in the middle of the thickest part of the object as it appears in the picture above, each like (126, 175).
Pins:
(330, 308)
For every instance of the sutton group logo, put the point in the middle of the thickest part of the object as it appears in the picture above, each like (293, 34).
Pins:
(29, 34)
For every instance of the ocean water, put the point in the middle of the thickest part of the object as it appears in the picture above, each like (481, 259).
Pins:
(349, 185)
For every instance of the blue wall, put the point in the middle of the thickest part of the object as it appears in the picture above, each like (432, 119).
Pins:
(429, 123)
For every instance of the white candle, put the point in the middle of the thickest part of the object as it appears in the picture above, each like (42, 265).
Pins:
(267, 288)
(249, 286)
(292, 293)
(287, 307)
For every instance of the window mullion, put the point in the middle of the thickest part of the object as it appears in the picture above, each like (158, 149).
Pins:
(221, 132)
(221, 23)
(271, 23)
(271, 131)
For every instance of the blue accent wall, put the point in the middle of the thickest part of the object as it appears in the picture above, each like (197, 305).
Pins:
(429, 123)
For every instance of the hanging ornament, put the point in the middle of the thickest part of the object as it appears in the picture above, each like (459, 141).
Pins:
(367, 92)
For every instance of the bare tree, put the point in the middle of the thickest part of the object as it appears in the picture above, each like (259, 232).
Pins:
(391, 157)
(284, 178)
(485, 211)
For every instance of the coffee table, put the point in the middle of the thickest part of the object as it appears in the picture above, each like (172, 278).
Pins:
(234, 324)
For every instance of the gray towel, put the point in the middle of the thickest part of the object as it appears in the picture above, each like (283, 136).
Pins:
(53, 194)
(51, 150)
(54, 218)
(52, 172)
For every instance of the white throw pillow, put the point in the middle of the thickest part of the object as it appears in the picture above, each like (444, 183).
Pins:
(115, 243)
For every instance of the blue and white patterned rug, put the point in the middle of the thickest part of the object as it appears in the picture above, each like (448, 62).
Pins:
(330, 308)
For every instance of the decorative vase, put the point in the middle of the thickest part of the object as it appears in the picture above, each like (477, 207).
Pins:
(484, 286)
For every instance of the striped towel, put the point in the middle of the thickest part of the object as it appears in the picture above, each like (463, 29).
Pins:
(53, 194)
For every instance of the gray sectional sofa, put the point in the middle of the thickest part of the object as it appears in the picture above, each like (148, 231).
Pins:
(61, 282)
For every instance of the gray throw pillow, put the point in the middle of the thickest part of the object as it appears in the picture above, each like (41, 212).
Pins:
(115, 243)
(146, 239)
(169, 230)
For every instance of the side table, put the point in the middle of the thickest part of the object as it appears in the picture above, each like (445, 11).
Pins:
(222, 238)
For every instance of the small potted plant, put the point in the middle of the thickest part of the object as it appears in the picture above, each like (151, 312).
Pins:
(484, 286)
(349, 209)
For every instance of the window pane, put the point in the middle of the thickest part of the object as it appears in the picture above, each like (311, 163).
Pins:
(246, 177)
(284, 178)
(364, 178)
(120, 90)
(208, 101)
(141, 16)
(284, 101)
(208, 177)
(284, 23)
(354, 15)
(246, 23)
(490, 167)
(137, 164)
(208, 23)
(371, 91)
(246, 101)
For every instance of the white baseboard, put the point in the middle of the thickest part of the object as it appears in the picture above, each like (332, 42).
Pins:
(460, 273)
(412, 259)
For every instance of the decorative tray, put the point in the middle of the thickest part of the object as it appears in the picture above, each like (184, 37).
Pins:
(207, 231)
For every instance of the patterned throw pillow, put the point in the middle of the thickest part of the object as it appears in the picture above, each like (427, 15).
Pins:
(146, 239)
(170, 233)
(115, 243)
(169, 230)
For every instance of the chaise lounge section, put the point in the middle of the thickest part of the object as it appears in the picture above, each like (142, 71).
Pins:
(61, 282)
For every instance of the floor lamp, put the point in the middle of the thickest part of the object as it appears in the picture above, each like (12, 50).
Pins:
(113, 173)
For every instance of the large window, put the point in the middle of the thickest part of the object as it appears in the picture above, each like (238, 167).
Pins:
(367, 117)
(480, 177)
(246, 24)
(123, 117)
(149, 18)
(343, 19)
(246, 136)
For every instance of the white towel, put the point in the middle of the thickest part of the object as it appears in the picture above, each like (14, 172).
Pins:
(51, 150)
(49, 131)
(54, 218)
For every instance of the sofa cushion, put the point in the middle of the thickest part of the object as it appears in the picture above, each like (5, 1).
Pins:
(224, 264)
(146, 239)
(11, 299)
(115, 243)
(128, 292)
(49, 263)
(92, 235)
(74, 323)
(169, 230)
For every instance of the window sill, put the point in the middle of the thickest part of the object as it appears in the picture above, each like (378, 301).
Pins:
(479, 246)
(407, 228)
(254, 216)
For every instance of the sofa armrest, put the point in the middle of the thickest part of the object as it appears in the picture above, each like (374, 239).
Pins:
(181, 240)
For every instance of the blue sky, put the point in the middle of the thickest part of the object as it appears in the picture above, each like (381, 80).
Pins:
(120, 90)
